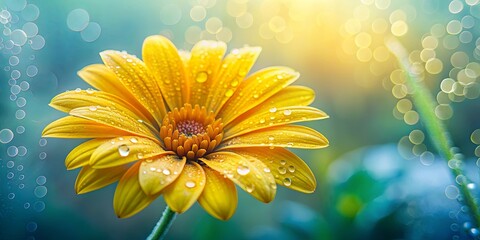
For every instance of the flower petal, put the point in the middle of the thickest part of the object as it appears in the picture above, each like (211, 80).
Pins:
(129, 197)
(287, 97)
(184, 192)
(162, 59)
(234, 68)
(90, 179)
(287, 168)
(135, 76)
(278, 136)
(256, 89)
(100, 77)
(249, 174)
(80, 156)
(273, 117)
(69, 100)
(219, 197)
(74, 127)
(157, 173)
(204, 64)
(123, 150)
(115, 118)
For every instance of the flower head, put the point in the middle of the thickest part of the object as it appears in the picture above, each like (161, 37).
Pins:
(188, 126)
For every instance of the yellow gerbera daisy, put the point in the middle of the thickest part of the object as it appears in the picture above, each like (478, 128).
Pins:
(187, 126)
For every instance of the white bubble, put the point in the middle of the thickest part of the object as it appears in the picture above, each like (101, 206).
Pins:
(6, 135)
(13, 60)
(16, 5)
(42, 142)
(20, 129)
(15, 89)
(38, 42)
(40, 191)
(15, 74)
(18, 37)
(30, 13)
(42, 155)
(451, 191)
(41, 180)
(10, 164)
(24, 85)
(39, 206)
(12, 151)
(78, 19)
(170, 14)
(20, 114)
(30, 29)
(22, 151)
(21, 102)
(11, 196)
(91, 32)
(32, 70)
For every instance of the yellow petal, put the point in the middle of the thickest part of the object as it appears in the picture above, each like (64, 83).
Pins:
(162, 59)
(135, 76)
(287, 97)
(249, 174)
(123, 150)
(204, 63)
(100, 77)
(184, 192)
(115, 118)
(233, 70)
(80, 156)
(273, 117)
(158, 173)
(90, 98)
(279, 136)
(74, 127)
(129, 197)
(219, 197)
(287, 168)
(256, 89)
(90, 179)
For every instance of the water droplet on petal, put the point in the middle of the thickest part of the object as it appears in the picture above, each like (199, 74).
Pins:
(133, 140)
(201, 77)
(229, 93)
(282, 170)
(291, 168)
(243, 170)
(166, 171)
(273, 109)
(283, 162)
(92, 108)
(123, 150)
(190, 184)
(271, 138)
(250, 187)
(287, 112)
(266, 169)
(287, 182)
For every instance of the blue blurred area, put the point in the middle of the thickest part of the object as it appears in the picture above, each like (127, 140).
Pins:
(369, 187)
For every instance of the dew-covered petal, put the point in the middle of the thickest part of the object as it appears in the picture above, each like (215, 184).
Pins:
(273, 117)
(157, 173)
(246, 173)
(100, 77)
(80, 155)
(122, 150)
(185, 190)
(278, 136)
(233, 70)
(288, 169)
(204, 63)
(90, 179)
(74, 127)
(219, 197)
(69, 100)
(162, 59)
(115, 119)
(135, 76)
(129, 197)
(255, 89)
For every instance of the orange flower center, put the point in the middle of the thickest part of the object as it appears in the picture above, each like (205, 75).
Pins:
(191, 132)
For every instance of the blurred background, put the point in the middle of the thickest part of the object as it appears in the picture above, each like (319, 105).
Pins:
(379, 179)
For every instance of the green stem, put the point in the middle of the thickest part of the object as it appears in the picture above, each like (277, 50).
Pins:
(161, 229)
(424, 103)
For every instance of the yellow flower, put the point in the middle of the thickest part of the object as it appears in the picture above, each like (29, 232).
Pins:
(187, 126)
